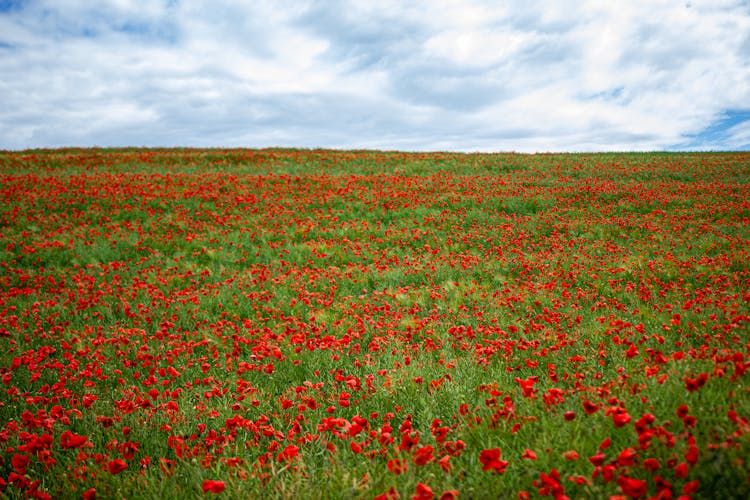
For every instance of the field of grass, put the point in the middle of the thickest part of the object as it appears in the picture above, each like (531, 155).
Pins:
(359, 324)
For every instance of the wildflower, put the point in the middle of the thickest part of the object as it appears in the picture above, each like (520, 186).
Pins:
(70, 440)
(391, 494)
(116, 466)
(210, 485)
(491, 461)
(632, 487)
(693, 384)
(423, 455)
(423, 492)
(397, 466)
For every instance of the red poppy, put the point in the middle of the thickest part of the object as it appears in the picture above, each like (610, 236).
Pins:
(693, 384)
(291, 452)
(128, 449)
(691, 456)
(454, 448)
(527, 386)
(620, 416)
(632, 487)
(549, 484)
(210, 485)
(651, 464)
(690, 487)
(409, 440)
(663, 485)
(391, 494)
(682, 411)
(598, 459)
(70, 440)
(423, 492)
(167, 466)
(681, 470)
(491, 461)
(116, 466)
(423, 455)
(397, 466)
(19, 463)
(627, 457)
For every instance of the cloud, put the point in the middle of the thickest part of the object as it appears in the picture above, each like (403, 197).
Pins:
(730, 131)
(738, 137)
(456, 75)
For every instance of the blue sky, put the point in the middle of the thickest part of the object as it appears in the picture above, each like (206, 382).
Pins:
(523, 75)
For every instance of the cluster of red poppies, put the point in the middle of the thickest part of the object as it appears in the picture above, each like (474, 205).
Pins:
(382, 324)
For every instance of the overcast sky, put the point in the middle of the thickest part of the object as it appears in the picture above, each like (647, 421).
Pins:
(412, 75)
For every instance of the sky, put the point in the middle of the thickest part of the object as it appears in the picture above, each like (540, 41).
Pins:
(524, 76)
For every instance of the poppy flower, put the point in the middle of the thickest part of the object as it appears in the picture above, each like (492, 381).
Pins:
(19, 463)
(454, 448)
(632, 487)
(690, 487)
(689, 421)
(491, 461)
(527, 386)
(598, 459)
(288, 454)
(691, 456)
(128, 449)
(212, 486)
(391, 494)
(620, 416)
(397, 466)
(693, 384)
(662, 484)
(549, 484)
(651, 464)
(631, 352)
(681, 470)
(409, 440)
(682, 411)
(423, 455)
(627, 457)
(116, 466)
(167, 466)
(445, 463)
(423, 492)
(70, 440)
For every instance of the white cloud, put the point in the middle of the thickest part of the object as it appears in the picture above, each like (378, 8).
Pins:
(459, 75)
(738, 136)
(475, 47)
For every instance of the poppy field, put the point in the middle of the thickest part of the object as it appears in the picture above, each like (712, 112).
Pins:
(280, 323)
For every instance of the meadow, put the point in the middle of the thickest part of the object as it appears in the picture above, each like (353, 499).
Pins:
(280, 323)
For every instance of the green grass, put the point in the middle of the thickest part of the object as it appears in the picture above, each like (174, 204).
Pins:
(163, 290)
